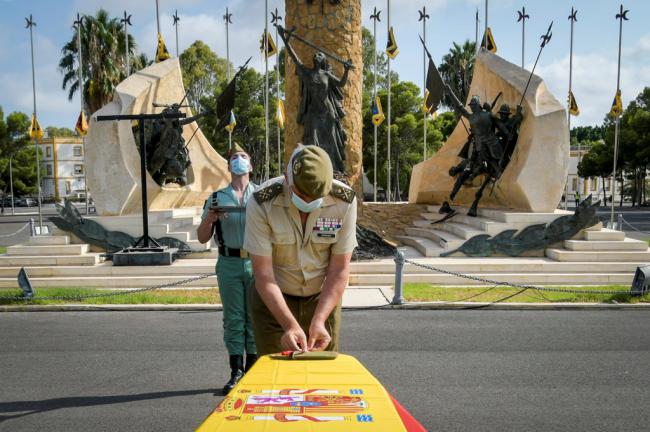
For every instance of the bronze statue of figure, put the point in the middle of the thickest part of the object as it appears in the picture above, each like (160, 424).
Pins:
(321, 103)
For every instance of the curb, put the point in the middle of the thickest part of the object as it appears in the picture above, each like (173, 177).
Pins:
(405, 306)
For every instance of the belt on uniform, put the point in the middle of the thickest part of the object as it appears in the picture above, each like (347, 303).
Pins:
(229, 252)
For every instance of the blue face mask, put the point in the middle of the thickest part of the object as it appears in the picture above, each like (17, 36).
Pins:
(306, 207)
(240, 166)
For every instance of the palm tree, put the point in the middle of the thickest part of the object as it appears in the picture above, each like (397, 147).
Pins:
(457, 68)
(103, 48)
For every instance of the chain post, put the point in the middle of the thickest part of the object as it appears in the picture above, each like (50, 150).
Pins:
(620, 222)
(32, 230)
(398, 298)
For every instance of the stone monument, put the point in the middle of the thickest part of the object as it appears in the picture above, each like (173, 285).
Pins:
(335, 26)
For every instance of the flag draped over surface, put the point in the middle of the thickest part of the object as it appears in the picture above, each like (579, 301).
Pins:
(617, 105)
(391, 46)
(271, 49)
(161, 51)
(279, 115)
(488, 41)
(82, 124)
(573, 105)
(231, 123)
(35, 131)
(434, 90)
(377, 113)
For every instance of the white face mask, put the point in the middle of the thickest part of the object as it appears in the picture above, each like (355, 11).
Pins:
(304, 206)
(240, 166)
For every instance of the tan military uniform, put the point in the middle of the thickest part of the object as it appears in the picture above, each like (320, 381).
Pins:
(300, 259)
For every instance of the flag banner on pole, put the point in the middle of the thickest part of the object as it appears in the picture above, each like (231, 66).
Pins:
(280, 115)
(377, 113)
(231, 123)
(617, 105)
(35, 131)
(434, 89)
(161, 52)
(271, 49)
(488, 41)
(82, 124)
(573, 105)
(391, 46)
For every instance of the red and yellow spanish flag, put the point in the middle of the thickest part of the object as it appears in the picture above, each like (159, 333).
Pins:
(82, 124)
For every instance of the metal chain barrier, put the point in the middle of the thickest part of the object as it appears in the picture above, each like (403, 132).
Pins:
(24, 227)
(511, 284)
(109, 294)
(633, 227)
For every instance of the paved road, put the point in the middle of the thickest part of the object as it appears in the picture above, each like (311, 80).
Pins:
(454, 370)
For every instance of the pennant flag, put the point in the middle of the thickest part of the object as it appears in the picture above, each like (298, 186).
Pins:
(231, 123)
(226, 101)
(271, 49)
(617, 105)
(377, 113)
(161, 52)
(82, 124)
(573, 105)
(391, 46)
(35, 131)
(279, 115)
(488, 41)
(434, 90)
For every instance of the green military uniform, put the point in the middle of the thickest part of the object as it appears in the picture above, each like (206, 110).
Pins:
(234, 271)
(300, 257)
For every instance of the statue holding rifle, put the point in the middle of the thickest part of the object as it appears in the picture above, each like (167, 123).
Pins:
(321, 100)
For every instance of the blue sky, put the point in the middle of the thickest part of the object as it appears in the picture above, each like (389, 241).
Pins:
(595, 47)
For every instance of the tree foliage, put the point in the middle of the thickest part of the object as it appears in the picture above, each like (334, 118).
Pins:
(203, 71)
(457, 69)
(15, 145)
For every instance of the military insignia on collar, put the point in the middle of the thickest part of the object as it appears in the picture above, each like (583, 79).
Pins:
(343, 193)
(268, 193)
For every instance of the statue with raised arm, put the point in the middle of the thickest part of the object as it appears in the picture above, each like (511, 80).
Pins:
(321, 102)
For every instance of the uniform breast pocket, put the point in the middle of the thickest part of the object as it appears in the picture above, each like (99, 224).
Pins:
(323, 240)
(284, 248)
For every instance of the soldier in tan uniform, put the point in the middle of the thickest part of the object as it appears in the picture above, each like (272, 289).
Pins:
(300, 234)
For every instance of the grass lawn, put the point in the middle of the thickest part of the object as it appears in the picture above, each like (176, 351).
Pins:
(148, 297)
(3, 250)
(414, 292)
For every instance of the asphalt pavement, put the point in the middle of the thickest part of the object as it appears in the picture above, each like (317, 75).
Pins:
(454, 370)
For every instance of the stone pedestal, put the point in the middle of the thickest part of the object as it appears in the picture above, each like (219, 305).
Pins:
(337, 29)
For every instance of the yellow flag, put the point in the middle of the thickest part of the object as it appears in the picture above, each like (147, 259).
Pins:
(35, 130)
(271, 49)
(573, 105)
(231, 123)
(377, 113)
(279, 115)
(617, 105)
(391, 46)
(82, 124)
(161, 52)
(488, 41)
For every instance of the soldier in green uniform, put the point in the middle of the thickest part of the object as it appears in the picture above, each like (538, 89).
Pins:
(234, 270)
(300, 232)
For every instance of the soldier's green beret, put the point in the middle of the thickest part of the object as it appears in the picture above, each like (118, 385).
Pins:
(312, 171)
(236, 148)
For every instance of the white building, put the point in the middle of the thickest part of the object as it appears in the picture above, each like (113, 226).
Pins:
(62, 167)
(585, 186)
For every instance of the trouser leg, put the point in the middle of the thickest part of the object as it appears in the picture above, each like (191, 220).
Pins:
(232, 292)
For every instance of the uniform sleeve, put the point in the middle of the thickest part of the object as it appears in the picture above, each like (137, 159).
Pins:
(257, 236)
(206, 209)
(347, 239)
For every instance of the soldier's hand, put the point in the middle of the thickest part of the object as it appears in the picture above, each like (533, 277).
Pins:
(319, 337)
(213, 215)
(347, 64)
(294, 339)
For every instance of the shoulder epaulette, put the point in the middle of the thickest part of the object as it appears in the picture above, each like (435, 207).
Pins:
(268, 193)
(343, 192)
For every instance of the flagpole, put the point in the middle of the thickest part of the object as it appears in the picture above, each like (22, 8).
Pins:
(127, 22)
(176, 19)
(157, 18)
(275, 19)
(423, 18)
(522, 17)
(486, 24)
(266, 91)
(11, 184)
(30, 25)
(622, 15)
(476, 44)
(78, 23)
(228, 19)
(388, 190)
(573, 18)
(374, 17)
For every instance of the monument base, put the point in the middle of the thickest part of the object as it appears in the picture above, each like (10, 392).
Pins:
(153, 256)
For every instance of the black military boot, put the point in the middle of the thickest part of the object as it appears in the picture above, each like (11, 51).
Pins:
(250, 361)
(236, 372)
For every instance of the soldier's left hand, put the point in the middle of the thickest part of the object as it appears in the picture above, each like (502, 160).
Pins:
(347, 64)
(319, 337)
